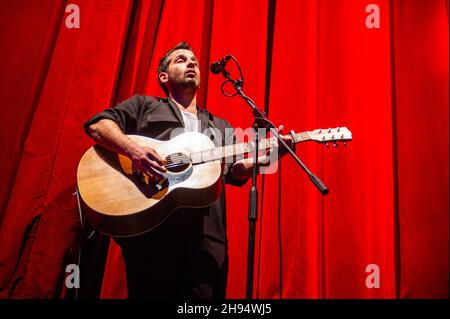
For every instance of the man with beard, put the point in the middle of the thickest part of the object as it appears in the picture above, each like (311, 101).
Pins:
(185, 256)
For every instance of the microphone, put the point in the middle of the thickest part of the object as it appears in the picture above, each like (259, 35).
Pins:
(218, 67)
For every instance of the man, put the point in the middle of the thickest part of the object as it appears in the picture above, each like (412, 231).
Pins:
(186, 256)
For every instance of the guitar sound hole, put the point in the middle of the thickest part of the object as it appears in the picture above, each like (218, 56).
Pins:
(177, 162)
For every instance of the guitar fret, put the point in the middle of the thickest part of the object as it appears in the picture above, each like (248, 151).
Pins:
(205, 156)
(267, 143)
(211, 154)
(302, 136)
(229, 150)
(249, 147)
(196, 158)
(217, 153)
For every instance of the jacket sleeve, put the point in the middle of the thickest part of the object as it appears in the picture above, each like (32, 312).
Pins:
(125, 114)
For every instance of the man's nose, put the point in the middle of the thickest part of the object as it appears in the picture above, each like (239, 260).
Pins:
(191, 63)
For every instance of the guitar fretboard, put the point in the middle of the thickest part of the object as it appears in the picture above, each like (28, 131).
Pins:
(240, 149)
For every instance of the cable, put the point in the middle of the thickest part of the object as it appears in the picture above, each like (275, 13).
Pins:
(240, 81)
(280, 246)
(80, 212)
(260, 235)
(223, 90)
(240, 71)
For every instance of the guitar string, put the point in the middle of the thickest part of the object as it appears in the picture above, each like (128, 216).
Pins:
(178, 156)
(179, 160)
(248, 148)
(175, 160)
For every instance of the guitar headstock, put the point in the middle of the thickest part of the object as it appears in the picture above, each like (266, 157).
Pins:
(331, 135)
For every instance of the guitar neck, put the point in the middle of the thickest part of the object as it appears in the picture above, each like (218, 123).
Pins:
(241, 149)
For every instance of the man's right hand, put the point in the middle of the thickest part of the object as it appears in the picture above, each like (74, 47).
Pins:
(147, 161)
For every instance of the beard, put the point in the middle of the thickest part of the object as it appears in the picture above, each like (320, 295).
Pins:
(185, 82)
(191, 83)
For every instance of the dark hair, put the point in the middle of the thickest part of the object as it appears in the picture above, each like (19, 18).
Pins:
(165, 61)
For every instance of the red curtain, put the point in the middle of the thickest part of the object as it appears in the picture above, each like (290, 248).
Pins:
(310, 64)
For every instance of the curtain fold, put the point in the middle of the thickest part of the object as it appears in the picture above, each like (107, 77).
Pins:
(80, 81)
(388, 200)
(38, 26)
(421, 75)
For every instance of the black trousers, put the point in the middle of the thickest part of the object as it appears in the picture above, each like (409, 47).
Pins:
(175, 260)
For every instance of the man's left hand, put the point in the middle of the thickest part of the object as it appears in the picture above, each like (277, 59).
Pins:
(286, 138)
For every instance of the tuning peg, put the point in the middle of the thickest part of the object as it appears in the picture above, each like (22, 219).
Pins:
(338, 129)
(329, 130)
(335, 145)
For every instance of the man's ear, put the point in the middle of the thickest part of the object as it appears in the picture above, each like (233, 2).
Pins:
(163, 77)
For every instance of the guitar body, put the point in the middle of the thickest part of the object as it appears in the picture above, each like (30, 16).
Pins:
(121, 203)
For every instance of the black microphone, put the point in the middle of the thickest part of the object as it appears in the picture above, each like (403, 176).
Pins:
(218, 67)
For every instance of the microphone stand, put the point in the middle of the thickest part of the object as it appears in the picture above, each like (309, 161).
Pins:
(262, 121)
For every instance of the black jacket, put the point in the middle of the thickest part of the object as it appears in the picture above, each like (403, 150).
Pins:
(156, 118)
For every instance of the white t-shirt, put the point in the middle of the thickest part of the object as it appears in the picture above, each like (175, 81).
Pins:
(191, 122)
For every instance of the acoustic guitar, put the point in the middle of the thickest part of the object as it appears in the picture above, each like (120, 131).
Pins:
(121, 202)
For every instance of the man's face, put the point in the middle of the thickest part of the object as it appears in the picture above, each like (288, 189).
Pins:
(183, 70)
